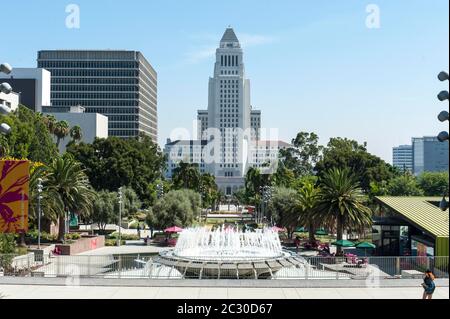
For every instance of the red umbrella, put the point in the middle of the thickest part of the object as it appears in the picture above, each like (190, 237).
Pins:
(173, 229)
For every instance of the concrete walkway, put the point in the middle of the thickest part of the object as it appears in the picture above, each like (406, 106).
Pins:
(105, 292)
(123, 250)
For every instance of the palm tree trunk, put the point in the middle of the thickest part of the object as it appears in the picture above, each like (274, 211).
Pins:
(22, 240)
(311, 231)
(61, 228)
(339, 232)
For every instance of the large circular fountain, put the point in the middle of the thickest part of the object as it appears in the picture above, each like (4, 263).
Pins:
(227, 253)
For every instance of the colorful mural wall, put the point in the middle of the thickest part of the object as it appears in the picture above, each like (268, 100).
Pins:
(14, 188)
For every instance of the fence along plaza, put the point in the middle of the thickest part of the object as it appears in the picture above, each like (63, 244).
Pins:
(223, 253)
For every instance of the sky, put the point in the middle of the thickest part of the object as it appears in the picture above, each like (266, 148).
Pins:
(335, 68)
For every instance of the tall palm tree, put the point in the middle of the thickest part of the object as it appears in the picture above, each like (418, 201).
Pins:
(341, 202)
(75, 133)
(61, 130)
(307, 199)
(50, 201)
(70, 182)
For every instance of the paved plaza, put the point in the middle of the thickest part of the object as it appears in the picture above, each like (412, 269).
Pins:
(108, 292)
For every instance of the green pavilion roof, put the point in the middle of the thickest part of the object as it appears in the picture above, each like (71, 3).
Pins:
(420, 211)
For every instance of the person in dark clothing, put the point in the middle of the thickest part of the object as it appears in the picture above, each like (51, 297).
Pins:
(428, 285)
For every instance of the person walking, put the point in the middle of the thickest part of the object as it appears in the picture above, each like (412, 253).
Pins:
(428, 285)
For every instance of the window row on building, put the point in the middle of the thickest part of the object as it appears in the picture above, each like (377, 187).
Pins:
(95, 88)
(94, 80)
(95, 72)
(90, 64)
(85, 95)
(229, 60)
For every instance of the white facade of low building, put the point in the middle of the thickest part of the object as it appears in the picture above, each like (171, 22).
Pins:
(10, 100)
(92, 125)
(42, 79)
(260, 154)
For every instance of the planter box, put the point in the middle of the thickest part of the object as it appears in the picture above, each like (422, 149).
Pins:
(81, 245)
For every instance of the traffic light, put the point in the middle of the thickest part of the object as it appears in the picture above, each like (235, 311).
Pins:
(443, 116)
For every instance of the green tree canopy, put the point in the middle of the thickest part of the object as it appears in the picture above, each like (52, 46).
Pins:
(208, 190)
(186, 175)
(434, 183)
(29, 137)
(404, 185)
(343, 153)
(303, 155)
(113, 162)
(104, 210)
(284, 208)
(177, 207)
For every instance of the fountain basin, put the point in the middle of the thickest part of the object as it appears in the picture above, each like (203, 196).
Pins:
(229, 268)
(227, 253)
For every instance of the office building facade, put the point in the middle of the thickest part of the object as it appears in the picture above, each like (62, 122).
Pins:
(402, 158)
(121, 85)
(429, 155)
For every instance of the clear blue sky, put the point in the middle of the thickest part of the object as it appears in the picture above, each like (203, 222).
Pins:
(313, 65)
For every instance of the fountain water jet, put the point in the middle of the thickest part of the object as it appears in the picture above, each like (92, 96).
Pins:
(227, 253)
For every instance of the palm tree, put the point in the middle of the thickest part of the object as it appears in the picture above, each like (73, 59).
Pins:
(61, 130)
(307, 199)
(50, 201)
(50, 121)
(341, 202)
(69, 181)
(76, 134)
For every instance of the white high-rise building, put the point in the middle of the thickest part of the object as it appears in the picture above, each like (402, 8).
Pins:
(229, 129)
(228, 107)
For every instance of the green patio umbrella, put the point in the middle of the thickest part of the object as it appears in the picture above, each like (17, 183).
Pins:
(343, 243)
(365, 245)
(301, 230)
(321, 232)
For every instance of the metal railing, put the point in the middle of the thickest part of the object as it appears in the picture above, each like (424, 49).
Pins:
(136, 266)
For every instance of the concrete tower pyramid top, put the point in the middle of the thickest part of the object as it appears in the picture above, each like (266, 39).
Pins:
(229, 36)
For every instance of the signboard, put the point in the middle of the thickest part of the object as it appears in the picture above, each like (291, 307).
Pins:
(14, 188)
(73, 220)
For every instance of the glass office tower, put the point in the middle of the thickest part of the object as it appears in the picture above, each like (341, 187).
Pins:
(119, 84)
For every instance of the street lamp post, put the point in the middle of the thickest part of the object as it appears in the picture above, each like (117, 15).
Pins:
(443, 205)
(5, 88)
(39, 189)
(443, 116)
(266, 192)
(120, 215)
(159, 190)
